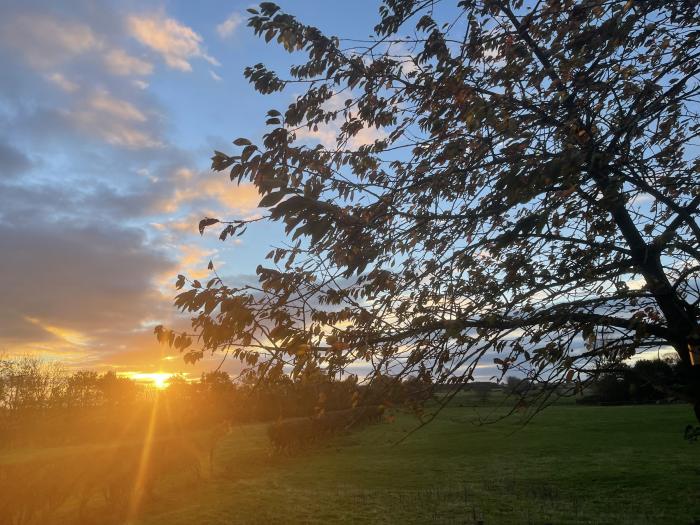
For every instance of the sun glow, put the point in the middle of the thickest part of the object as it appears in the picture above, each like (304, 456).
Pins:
(157, 379)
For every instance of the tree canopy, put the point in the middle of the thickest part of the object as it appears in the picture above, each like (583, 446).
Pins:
(509, 183)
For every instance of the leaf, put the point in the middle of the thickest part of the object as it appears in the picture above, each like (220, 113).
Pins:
(269, 8)
(210, 266)
(229, 230)
(272, 198)
(242, 142)
(206, 222)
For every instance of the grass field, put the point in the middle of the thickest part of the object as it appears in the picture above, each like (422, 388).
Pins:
(572, 464)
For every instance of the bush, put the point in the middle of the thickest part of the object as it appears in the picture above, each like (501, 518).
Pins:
(293, 435)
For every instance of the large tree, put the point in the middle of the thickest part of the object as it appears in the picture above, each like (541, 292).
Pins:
(510, 183)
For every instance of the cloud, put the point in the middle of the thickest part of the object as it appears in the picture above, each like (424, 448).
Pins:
(328, 133)
(212, 191)
(228, 26)
(193, 261)
(45, 41)
(116, 121)
(67, 284)
(215, 76)
(406, 56)
(173, 41)
(119, 62)
(12, 162)
(86, 171)
(62, 82)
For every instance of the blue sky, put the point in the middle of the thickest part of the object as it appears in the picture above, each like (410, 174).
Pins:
(109, 112)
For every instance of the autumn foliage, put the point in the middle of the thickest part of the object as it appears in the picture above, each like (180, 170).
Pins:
(512, 184)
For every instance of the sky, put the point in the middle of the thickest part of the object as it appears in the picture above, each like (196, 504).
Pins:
(109, 114)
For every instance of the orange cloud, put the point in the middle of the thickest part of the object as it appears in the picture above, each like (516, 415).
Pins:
(174, 42)
(72, 337)
(192, 186)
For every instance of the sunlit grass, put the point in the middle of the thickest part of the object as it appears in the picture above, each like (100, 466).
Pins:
(571, 464)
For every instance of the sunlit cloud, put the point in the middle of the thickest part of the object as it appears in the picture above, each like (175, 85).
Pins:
(176, 43)
(116, 121)
(68, 335)
(119, 62)
(193, 186)
(229, 26)
(193, 261)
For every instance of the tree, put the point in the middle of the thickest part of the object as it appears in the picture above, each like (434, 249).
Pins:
(529, 196)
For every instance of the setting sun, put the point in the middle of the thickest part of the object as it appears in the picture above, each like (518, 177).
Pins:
(157, 379)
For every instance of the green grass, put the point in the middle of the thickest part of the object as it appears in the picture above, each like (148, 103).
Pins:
(571, 464)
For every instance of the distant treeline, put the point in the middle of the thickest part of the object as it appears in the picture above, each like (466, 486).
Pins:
(42, 403)
(646, 381)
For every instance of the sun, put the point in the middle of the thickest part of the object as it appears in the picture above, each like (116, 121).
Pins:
(158, 379)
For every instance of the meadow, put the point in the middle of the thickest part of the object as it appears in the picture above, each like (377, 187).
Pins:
(571, 464)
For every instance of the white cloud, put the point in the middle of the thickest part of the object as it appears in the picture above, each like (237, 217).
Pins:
(401, 52)
(328, 133)
(176, 43)
(119, 62)
(215, 76)
(228, 26)
(636, 284)
(663, 352)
